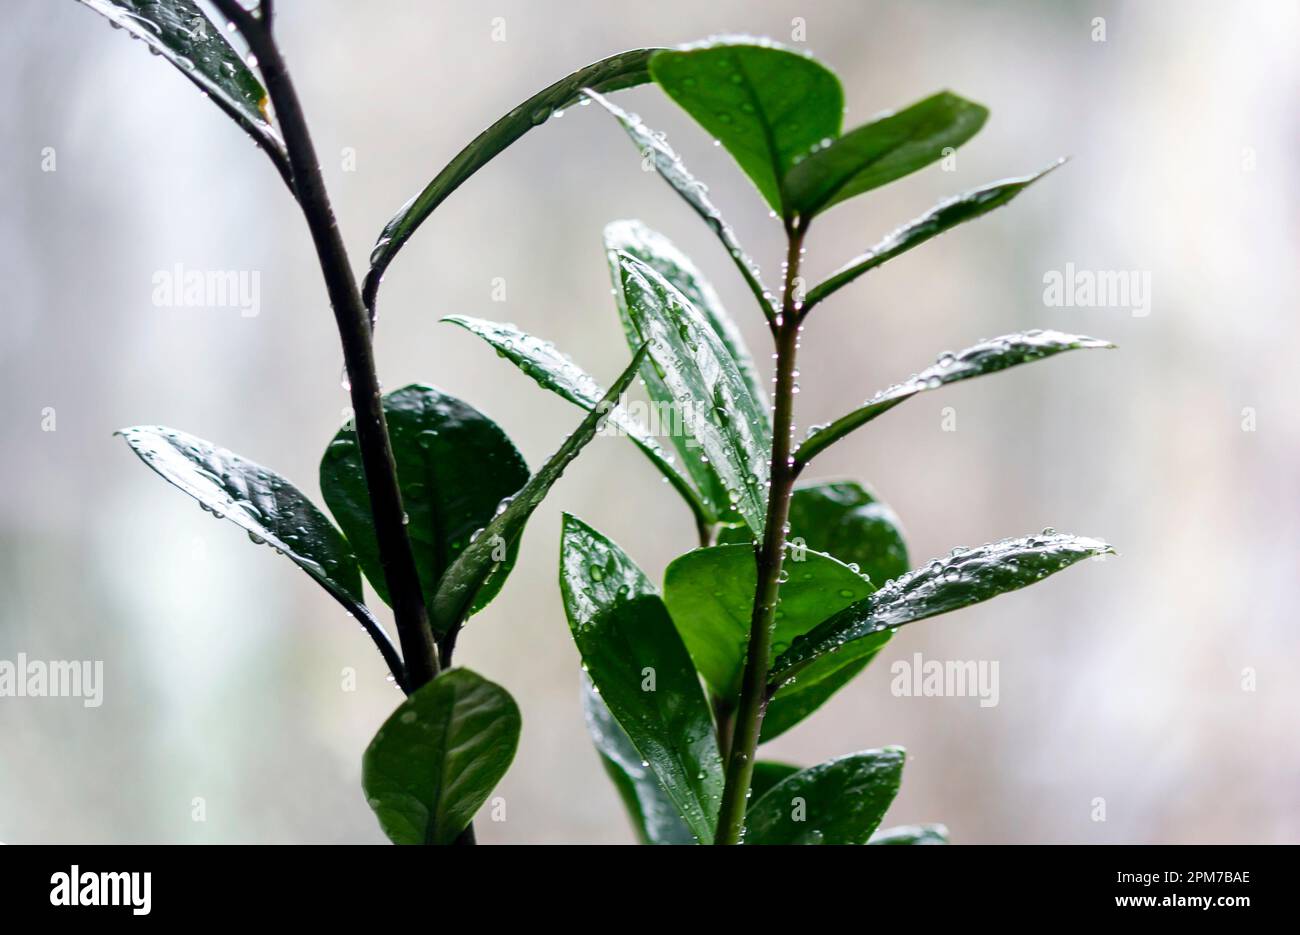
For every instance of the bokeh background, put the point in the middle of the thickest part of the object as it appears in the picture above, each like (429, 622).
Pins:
(1121, 681)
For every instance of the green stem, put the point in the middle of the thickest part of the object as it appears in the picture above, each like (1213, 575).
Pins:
(748, 720)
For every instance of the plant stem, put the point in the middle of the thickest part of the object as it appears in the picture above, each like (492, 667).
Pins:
(748, 719)
(419, 653)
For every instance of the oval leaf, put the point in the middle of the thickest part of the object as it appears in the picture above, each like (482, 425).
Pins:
(625, 70)
(987, 357)
(877, 153)
(840, 801)
(454, 466)
(638, 663)
(765, 104)
(266, 506)
(439, 756)
(967, 577)
(461, 586)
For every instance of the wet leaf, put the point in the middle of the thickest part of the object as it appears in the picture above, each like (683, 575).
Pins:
(638, 663)
(840, 801)
(981, 359)
(439, 756)
(966, 577)
(766, 775)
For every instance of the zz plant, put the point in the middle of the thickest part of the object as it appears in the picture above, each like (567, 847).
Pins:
(795, 585)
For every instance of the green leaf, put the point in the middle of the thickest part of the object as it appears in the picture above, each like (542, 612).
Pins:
(840, 801)
(723, 421)
(439, 756)
(638, 663)
(552, 370)
(981, 359)
(877, 153)
(454, 466)
(180, 32)
(942, 217)
(766, 775)
(658, 252)
(911, 834)
(625, 70)
(266, 506)
(671, 168)
(844, 519)
(653, 814)
(966, 577)
(814, 686)
(472, 569)
(766, 105)
(710, 595)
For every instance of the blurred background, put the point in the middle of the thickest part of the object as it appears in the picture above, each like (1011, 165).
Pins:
(1159, 684)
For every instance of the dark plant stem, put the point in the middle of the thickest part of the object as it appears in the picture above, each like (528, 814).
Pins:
(419, 652)
(748, 718)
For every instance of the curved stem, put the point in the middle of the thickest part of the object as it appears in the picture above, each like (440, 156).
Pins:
(419, 653)
(748, 719)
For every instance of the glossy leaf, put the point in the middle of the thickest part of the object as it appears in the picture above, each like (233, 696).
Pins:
(844, 519)
(658, 252)
(653, 814)
(552, 370)
(473, 568)
(180, 32)
(840, 801)
(966, 577)
(766, 775)
(981, 359)
(710, 594)
(727, 427)
(799, 697)
(877, 153)
(439, 756)
(765, 104)
(670, 167)
(625, 70)
(911, 834)
(942, 217)
(454, 466)
(644, 675)
(266, 506)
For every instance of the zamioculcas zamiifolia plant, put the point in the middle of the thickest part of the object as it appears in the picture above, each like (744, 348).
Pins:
(795, 585)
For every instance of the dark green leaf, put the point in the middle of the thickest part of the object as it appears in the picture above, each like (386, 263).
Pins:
(658, 252)
(653, 814)
(877, 153)
(710, 594)
(844, 519)
(552, 370)
(911, 834)
(942, 217)
(439, 756)
(670, 166)
(624, 70)
(643, 673)
(966, 577)
(814, 686)
(180, 32)
(266, 506)
(840, 801)
(461, 585)
(766, 775)
(726, 427)
(454, 466)
(987, 357)
(766, 105)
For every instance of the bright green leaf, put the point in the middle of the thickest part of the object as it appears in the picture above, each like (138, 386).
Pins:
(459, 590)
(967, 577)
(454, 466)
(766, 105)
(877, 153)
(911, 834)
(840, 801)
(987, 357)
(644, 675)
(439, 756)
